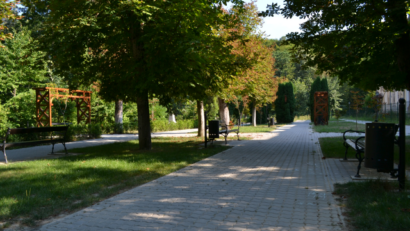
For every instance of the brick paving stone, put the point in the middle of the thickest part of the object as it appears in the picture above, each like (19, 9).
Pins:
(272, 182)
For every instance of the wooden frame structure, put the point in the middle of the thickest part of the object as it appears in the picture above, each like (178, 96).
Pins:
(45, 96)
(321, 108)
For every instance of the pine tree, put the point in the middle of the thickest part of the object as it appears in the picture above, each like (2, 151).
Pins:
(285, 103)
(291, 100)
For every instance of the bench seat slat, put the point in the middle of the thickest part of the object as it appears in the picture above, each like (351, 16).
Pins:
(352, 144)
(25, 143)
(37, 130)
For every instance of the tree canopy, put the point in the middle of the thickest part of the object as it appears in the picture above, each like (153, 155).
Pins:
(139, 49)
(365, 43)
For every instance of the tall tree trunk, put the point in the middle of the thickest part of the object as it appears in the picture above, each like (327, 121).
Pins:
(171, 118)
(144, 127)
(398, 16)
(254, 115)
(223, 111)
(201, 118)
(118, 111)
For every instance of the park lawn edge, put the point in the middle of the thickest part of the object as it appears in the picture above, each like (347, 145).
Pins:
(374, 205)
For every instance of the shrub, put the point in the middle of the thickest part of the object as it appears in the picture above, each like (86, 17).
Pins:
(165, 125)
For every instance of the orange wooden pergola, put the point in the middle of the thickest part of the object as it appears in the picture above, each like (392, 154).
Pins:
(321, 110)
(45, 96)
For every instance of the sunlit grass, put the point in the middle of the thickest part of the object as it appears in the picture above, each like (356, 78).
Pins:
(338, 126)
(374, 205)
(35, 190)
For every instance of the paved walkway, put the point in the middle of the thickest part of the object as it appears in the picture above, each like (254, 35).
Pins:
(276, 182)
(40, 152)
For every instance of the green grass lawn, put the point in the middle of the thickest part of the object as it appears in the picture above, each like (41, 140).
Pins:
(35, 190)
(261, 128)
(338, 126)
(374, 205)
(332, 147)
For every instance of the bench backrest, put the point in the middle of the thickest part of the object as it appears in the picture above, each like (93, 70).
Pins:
(12, 131)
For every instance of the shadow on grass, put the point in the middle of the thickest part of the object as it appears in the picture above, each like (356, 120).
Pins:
(35, 190)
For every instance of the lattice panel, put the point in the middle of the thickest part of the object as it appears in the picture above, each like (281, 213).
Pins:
(44, 97)
(321, 108)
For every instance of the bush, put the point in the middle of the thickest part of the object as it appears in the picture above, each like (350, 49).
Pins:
(81, 131)
(165, 125)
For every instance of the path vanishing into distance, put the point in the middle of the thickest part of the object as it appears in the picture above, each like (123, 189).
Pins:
(278, 181)
(44, 151)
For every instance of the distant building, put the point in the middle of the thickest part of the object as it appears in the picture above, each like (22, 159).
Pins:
(391, 99)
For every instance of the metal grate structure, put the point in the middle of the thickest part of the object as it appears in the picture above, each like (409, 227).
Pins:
(45, 96)
(321, 108)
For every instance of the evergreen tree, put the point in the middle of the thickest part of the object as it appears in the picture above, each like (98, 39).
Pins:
(22, 66)
(285, 103)
(291, 100)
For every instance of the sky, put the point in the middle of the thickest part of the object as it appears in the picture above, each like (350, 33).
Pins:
(277, 26)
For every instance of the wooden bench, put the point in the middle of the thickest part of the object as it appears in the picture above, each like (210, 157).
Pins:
(358, 145)
(48, 139)
(225, 132)
(214, 131)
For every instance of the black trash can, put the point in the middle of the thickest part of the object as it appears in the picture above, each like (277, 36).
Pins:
(213, 129)
(379, 146)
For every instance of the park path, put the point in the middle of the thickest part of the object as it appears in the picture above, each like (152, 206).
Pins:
(40, 152)
(277, 182)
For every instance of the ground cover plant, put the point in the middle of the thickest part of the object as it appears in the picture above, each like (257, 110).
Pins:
(332, 147)
(383, 118)
(34, 190)
(338, 126)
(374, 205)
(262, 128)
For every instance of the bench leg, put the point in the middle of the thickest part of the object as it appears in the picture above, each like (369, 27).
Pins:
(4, 152)
(226, 141)
(65, 149)
(347, 146)
(359, 157)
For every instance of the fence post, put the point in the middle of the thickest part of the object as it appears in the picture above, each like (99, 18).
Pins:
(402, 145)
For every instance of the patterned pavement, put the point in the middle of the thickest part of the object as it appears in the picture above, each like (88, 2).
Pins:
(276, 182)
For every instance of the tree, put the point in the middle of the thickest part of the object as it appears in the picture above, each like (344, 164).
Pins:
(139, 49)
(357, 103)
(7, 13)
(365, 43)
(255, 81)
(22, 66)
(285, 103)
